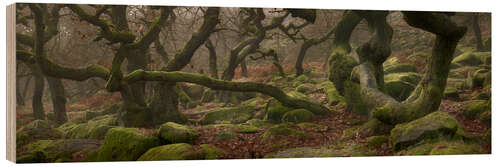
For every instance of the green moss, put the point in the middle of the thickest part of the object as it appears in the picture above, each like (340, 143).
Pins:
(36, 157)
(305, 88)
(434, 125)
(485, 118)
(276, 112)
(259, 123)
(375, 141)
(352, 96)
(93, 129)
(332, 94)
(256, 102)
(171, 132)
(233, 115)
(452, 93)
(211, 152)
(297, 95)
(472, 58)
(297, 116)
(179, 151)
(61, 149)
(331, 151)
(246, 129)
(398, 89)
(409, 77)
(208, 96)
(36, 130)
(280, 130)
(125, 144)
(454, 148)
(473, 108)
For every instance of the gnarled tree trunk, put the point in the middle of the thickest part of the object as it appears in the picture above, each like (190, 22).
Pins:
(58, 97)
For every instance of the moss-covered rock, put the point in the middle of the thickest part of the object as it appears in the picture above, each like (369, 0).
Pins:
(305, 88)
(300, 80)
(297, 95)
(58, 150)
(375, 141)
(259, 123)
(179, 151)
(473, 108)
(36, 157)
(212, 152)
(400, 68)
(398, 89)
(256, 102)
(284, 129)
(485, 118)
(434, 125)
(373, 127)
(36, 130)
(297, 116)
(481, 78)
(409, 77)
(194, 91)
(452, 93)
(472, 59)
(246, 129)
(442, 147)
(332, 95)
(275, 112)
(232, 115)
(93, 129)
(125, 144)
(171, 132)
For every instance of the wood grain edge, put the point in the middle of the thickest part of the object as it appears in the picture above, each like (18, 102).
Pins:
(11, 83)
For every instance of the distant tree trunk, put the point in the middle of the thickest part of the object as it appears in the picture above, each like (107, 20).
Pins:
(38, 111)
(243, 65)
(19, 95)
(308, 43)
(477, 32)
(26, 85)
(212, 59)
(58, 99)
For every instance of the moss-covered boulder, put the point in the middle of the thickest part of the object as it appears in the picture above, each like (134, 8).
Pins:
(434, 125)
(61, 150)
(442, 147)
(36, 130)
(125, 144)
(297, 116)
(258, 123)
(473, 108)
(275, 112)
(485, 118)
(256, 102)
(36, 157)
(373, 127)
(398, 89)
(471, 59)
(212, 152)
(179, 151)
(305, 88)
(284, 129)
(171, 132)
(410, 77)
(375, 141)
(332, 95)
(93, 129)
(300, 80)
(400, 68)
(195, 92)
(452, 93)
(233, 115)
(297, 95)
(481, 78)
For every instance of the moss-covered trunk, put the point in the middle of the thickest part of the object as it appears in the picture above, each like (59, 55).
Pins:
(477, 32)
(58, 97)
(37, 103)
(212, 59)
